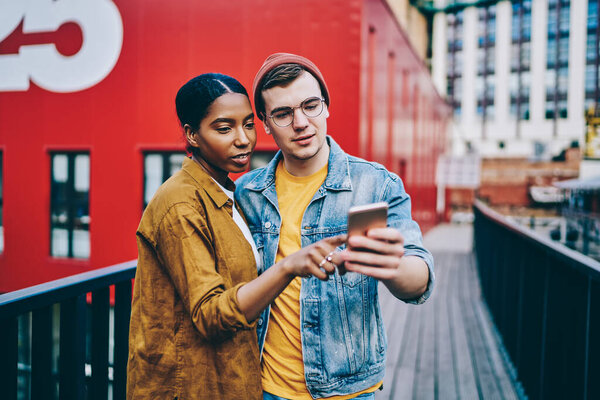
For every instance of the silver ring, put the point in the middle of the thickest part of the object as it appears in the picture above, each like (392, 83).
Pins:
(328, 259)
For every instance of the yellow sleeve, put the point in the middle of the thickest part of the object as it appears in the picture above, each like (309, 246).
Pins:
(185, 248)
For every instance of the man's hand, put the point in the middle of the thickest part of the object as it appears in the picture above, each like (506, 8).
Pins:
(380, 254)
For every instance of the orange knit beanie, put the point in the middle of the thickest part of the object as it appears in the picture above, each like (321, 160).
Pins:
(277, 59)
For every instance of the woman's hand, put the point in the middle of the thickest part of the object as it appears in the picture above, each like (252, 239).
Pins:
(319, 259)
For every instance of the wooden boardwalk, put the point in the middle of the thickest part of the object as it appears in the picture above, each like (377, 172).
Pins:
(446, 348)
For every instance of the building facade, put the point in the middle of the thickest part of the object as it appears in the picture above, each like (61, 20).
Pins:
(88, 128)
(415, 23)
(519, 74)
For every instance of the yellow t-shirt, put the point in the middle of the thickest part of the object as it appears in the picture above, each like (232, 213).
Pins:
(282, 365)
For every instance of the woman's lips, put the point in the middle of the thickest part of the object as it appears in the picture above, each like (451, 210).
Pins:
(241, 159)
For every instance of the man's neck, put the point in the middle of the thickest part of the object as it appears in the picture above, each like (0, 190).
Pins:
(298, 167)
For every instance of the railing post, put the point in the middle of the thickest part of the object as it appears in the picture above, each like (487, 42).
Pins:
(9, 358)
(520, 310)
(587, 339)
(585, 235)
(42, 385)
(100, 320)
(121, 352)
(72, 349)
(544, 327)
(593, 350)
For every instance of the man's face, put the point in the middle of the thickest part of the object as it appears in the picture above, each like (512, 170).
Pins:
(303, 141)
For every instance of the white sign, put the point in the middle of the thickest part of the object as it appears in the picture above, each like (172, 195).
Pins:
(102, 28)
(459, 172)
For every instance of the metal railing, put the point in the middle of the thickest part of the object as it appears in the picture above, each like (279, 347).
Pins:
(545, 302)
(68, 337)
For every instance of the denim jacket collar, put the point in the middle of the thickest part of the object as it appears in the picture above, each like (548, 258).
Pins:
(338, 174)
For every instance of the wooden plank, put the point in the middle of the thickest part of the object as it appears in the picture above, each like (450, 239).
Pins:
(424, 387)
(396, 325)
(484, 372)
(446, 375)
(467, 385)
(387, 303)
(403, 375)
(493, 340)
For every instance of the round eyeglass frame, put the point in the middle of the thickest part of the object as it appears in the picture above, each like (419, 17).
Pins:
(301, 107)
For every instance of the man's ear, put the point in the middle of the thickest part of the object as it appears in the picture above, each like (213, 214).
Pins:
(266, 126)
(191, 135)
(326, 111)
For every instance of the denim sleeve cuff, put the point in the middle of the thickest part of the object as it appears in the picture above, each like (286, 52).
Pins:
(429, 261)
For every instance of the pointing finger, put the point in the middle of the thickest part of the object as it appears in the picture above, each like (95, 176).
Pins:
(337, 240)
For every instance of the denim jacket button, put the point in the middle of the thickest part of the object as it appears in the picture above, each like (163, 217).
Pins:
(260, 321)
(267, 224)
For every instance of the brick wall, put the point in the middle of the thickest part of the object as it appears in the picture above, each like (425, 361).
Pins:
(506, 181)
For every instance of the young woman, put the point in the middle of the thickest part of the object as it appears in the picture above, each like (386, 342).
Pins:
(197, 295)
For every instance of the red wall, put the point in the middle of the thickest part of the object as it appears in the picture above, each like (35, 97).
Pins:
(132, 109)
(403, 119)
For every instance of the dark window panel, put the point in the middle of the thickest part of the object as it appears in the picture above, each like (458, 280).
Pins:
(69, 204)
(158, 167)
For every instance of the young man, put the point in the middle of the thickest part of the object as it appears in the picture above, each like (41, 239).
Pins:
(324, 338)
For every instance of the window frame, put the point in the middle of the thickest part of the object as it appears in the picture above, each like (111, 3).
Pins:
(71, 202)
(165, 154)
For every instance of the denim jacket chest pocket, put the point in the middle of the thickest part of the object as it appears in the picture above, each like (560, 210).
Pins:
(352, 279)
(325, 218)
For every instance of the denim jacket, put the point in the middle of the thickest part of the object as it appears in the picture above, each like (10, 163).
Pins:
(343, 337)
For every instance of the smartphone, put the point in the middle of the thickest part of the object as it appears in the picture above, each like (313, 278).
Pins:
(365, 217)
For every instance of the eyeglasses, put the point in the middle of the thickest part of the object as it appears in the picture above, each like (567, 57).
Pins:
(311, 107)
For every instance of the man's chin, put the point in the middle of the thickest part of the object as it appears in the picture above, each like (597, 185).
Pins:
(303, 156)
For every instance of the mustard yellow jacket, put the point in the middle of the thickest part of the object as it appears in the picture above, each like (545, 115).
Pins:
(188, 338)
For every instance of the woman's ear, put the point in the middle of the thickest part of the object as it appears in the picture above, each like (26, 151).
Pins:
(326, 110)
(191, 135)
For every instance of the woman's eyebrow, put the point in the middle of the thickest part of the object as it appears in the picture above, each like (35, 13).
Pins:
(220, 120)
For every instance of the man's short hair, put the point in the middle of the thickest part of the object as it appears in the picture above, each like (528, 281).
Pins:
(281, 69)
(282, 75)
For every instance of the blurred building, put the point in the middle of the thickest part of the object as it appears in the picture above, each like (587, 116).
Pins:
(416, 23)
(519, 74)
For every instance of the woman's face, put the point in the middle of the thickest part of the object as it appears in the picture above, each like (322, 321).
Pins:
(226, 136)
